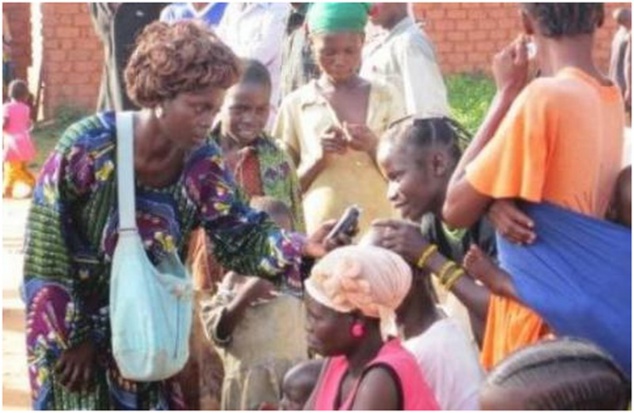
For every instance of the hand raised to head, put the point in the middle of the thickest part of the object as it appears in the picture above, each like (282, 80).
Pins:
(401, 237)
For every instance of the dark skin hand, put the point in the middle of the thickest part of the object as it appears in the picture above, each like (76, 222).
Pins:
(333, 141)
(361, 138)
(405, 239)
(253, 289)
(317, 245)
(76, 366)
(511, 222)
(401, 237)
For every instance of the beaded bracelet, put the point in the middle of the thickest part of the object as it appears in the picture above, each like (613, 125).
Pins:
(427, 252)
(453, 278)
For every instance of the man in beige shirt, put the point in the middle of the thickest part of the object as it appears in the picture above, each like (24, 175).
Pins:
(405, 58)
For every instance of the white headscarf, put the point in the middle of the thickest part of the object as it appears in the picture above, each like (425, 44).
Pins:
(370, 279)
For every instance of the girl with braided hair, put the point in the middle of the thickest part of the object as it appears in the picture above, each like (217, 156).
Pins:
(561, 374)
(417, 156)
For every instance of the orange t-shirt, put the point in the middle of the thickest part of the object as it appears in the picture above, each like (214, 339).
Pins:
(560, 142)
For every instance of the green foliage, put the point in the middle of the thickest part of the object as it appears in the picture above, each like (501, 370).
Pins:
(469, 98)
(46, 133)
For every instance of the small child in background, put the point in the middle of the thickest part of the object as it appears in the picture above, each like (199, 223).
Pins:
(17, 146)
(561, 374)
(480, 266)
(299, 383)
(258, 331)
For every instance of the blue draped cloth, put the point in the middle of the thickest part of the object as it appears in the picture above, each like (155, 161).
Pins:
(577, 276)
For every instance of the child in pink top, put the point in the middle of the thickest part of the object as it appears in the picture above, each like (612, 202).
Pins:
(17, 146)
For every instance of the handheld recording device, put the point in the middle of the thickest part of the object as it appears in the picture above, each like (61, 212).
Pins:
(347, 222)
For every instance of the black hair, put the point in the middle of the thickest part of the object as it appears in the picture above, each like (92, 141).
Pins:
(563, 374)
(18, 90)
(566, 19)
(255, 72)
(427, 132)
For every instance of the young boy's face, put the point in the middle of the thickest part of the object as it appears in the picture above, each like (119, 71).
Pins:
(338, 54)
(245, 112)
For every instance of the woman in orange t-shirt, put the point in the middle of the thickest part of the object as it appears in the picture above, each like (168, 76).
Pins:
(555, 139)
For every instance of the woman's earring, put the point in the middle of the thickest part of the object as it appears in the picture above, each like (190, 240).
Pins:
(158, 112)
(357, 330)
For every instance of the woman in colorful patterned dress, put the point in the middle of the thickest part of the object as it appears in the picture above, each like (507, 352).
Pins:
(179, 75)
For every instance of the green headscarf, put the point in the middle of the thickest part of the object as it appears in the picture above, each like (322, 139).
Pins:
(337, 17)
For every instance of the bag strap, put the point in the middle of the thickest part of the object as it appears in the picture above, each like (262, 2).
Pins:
(125, 171)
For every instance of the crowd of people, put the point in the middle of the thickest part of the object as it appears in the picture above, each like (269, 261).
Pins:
(256, 125)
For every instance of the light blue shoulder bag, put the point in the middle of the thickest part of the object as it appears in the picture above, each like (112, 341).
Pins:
(150, 307)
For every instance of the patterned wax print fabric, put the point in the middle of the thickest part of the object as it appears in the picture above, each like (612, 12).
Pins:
(277, 177)
(262, 168)
(70, 240)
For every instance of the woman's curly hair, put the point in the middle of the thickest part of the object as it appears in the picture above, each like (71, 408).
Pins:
(181, 57)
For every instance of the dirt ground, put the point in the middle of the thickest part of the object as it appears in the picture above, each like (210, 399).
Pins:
(15, 385)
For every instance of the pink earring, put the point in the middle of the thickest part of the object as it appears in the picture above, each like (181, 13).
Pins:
(158, 112)
(357, 330)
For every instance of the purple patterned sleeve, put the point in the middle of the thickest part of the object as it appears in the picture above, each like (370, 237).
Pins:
(245, 240)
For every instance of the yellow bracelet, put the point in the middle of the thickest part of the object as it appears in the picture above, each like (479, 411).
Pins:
(427, 252)
(444, 269)
(453, 278)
